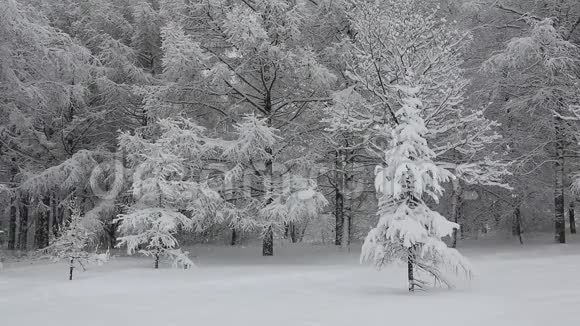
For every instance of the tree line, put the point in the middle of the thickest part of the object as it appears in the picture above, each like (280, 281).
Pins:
(154, 118)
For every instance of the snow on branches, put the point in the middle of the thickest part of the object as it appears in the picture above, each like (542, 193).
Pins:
(406, 41)
(168, 194)
(253, 138)
(408, 230)
(294, 200)
(275, 198)
(75, 239)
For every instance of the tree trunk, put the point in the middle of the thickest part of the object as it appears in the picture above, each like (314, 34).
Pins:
(560, 224)
(346, 230)
(350, 224)
(410, 266)
(23, 225)
(42, 226)
(50, 219)
(293, 233)
(12, 226)
(268, 243)
(456, 208)
(346, 233)
(156, 261)
(571, 213)
(41, 231)
(55, 217)
(517, 227)
(111, 231)
(71, 268)
(290, 232)
(303, 232)
(339, 200)
(234, 237)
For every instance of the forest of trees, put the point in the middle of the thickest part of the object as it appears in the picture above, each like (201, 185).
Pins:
(232, 121)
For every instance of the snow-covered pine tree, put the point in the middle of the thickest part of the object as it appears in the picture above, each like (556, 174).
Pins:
(75, 240)
(408, 229)
(168, 196)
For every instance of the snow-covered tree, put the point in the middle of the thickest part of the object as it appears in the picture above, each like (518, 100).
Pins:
(245, 57)
(408, 230)
(45, 116)
(270, 198)
(168, 196)
(395, 40)
(537, 76)
(348, 135)
(146, 39)
(75, 240)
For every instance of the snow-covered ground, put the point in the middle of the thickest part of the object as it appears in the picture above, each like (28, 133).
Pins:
(537, 284)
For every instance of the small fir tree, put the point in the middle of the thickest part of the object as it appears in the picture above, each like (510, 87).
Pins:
(408, 229)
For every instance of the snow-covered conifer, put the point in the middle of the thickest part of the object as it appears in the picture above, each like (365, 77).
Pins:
(404, 41)
(408, 229)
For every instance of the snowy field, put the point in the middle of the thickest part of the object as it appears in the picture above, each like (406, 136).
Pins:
(536, 284)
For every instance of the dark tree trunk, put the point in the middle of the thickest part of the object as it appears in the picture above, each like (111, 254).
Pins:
(41, 231)
(23, 225)
(268, 243)
(515, 223)
(571, 213)
(112, 234)
(234, 237)
(456, 208)
(12, 226)
(349, 189)
(56, 217)
(303, 232)
(350, 224)
(156, 261)
(517, 226)
(560, 224)
(293, 233)
(42, 227)
(339, 201)
(339, 218)
(346, 231)
(410, 267)
(71, 268)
